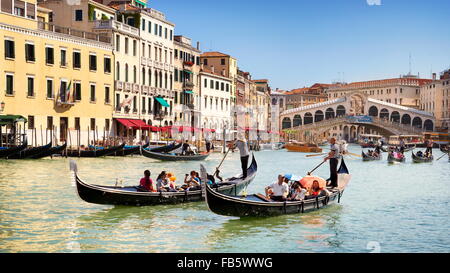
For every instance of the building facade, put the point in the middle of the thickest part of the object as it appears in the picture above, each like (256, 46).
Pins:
(435, 97)
(59, 78)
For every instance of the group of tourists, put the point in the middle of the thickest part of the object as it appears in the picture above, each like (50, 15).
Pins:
(166, 182)
(280, 191)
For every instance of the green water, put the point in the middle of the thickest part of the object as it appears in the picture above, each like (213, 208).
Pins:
(387, 208)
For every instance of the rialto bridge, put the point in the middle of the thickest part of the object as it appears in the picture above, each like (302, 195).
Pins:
(352, 115)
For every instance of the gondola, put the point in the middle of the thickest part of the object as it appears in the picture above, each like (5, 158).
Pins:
(259, 206)
(4, 153)
(391, 148)
(132, 196)
(444, 149)
(392, 159)
(165, 149)
(421, 159)
(129, 150)
(30, 152)
(94, 153)
(366, 157)
(52, 151)
(174, 157)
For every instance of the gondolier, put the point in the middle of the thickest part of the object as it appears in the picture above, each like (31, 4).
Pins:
(241, 144)
(333, 156)
(429, 143)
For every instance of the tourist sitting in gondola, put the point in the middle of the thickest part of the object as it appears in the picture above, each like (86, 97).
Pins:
(172, 183)
(278, 191)
(298, 193)
(186, 149)
(316, 191)
(192, 182)
(419, 154)
(162, 183)
(146, 183)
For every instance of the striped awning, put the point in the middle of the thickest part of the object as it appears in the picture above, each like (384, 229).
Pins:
(163, 102)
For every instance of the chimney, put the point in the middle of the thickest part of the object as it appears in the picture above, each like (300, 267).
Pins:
(212, 69)
(434, 76)
(223, 72)
(198, 45)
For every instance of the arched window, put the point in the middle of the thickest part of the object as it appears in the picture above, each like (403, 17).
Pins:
(308, 118)
(417, 122)
(143, 76)
(406, 119)
(329, 113)
(286, 123)
(318, 116)
(118, 71)
(395, 117)
(297, 121)
(384, 113)
(428, 125)
(373, 111)
(134, 74)
(340, 111)
(126, 72)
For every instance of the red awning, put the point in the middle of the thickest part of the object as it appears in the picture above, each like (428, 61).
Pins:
(126, 122)
(209, 130)
(139, 124)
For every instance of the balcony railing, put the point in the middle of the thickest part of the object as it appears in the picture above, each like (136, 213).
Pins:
(74, 32)
(112, 24)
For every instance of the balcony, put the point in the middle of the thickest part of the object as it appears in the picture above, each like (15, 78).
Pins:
(145, 89)
(136, 88)
(73, 32)
(188, 85)
(116, 25)
(143, 61)
(128, 86)
(119, 85)
(187, 63)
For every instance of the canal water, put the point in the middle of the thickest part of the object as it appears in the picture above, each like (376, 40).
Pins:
(386, 208)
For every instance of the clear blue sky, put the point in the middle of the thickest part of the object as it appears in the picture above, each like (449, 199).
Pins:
(296, 43)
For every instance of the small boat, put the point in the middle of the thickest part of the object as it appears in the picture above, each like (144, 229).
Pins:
(52, 151)
(129, 150)
(165, 149)
(367, 145)
(98, 152)
(257, 205)
(30, 152)
(444, 149)
(4, 153)
(174, 157)
(132, 196)
(367, 157)
(392, 158)
(421, 159)
(302, 147)
(393, 148)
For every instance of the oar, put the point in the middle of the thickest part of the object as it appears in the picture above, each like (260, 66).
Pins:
(309, 173)
(316, 155)
(223, 159)
(357, 155)
(441, 157)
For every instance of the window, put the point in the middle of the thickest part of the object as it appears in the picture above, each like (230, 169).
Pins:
(206, 83)
(107, 95)
(143, 24)
(126, 45)
(160, 31)
(198, 60)
(118, 102)
(117, 43)
(93, 124)
(63, 58)
(176, 74)
(118, 71)
(30, 122)
(9, 49)
(107, 64)
(50, 89)
(134, 48)
(156, 29)
(107, 125)
(63, 91)
(77, 91)
(211, 84)
(222, 86)
(78, 15)
(92, 99)
(30, 86)
(222, 61)
(149, 27)
(171, 35)
(19, 7)
(77, 124)
(165, 33)
(50, 123)
(205, 61)
(29, 53)
(76, 60)
(92, 62)
(49, 55)
(217, 85)
(176, 53)
(143, 105)
(228, 87)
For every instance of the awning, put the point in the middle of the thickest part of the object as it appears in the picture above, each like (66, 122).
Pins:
(209, 130)
(126, 122)
(189, 72)
(12, 118)
(163, 102)
(188, 91)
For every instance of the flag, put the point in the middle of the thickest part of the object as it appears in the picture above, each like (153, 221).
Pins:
(126, 102)
(68, 91)
(344, 175)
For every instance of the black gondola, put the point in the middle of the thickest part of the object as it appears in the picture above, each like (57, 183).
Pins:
(4, 153)
(366, 157)
(421, 159)
(444, 149)
(94, 153)
(393, 148)
(132, 196)
(57, 150)
(165, 149)
(392, 159)
(129, 150)
(30, 152)
(174, 157)
(259, 206)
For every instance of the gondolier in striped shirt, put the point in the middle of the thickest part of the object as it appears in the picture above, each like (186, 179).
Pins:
(333, 156)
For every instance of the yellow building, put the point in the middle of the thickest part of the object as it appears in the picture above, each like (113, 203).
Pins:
(57, 78)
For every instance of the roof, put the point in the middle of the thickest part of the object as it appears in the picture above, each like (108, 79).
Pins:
(214, 54)
(208, 71)
(380, 83)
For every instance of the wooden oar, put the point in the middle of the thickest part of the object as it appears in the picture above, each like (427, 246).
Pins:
(316, 155)
(309, 173)
(357, 155)
(441, 157)
(223, 159)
